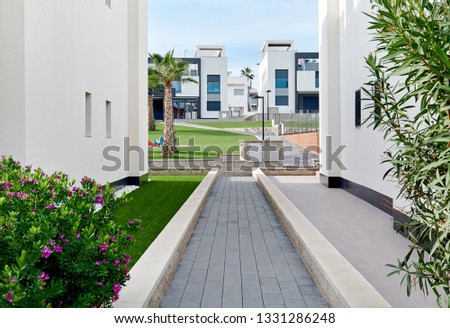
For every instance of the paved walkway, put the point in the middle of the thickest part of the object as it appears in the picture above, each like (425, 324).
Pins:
(240, 256)
(361, 232)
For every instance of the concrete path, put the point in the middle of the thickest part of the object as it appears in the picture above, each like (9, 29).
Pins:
(240, 256)
(360, 232)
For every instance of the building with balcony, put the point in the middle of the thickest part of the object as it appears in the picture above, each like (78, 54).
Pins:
(206, 98)
(291, 76)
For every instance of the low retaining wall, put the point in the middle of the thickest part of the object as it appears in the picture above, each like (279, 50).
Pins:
(339, 282)
(152, 273)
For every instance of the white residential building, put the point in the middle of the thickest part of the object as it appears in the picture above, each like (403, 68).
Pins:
(292, 77)
(73, 86)
(238, 98)
(343, 72)
(206, 98)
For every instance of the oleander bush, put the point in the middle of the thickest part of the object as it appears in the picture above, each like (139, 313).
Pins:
(59, 244)
(409, 97)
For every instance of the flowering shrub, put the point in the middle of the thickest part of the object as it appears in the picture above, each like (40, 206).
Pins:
(59, 244)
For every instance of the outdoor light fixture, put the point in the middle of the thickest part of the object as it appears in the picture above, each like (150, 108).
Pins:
(262, 111)
(267, 92)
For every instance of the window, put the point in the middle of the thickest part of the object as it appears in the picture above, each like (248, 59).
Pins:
(88, 115)
(377, 104)
(238, 92)
(108, 119)
(108, 3)
(317, 79)
(177, 86)
(213, 84)
(358, 108)
(213, 106)
(281, 78)
(281, 100)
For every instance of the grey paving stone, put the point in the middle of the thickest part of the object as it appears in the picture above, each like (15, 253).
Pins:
(240, 256)
(315, 301)
(211, 302)
(253, 303)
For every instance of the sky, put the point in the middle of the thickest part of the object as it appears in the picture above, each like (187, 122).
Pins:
(241, 26)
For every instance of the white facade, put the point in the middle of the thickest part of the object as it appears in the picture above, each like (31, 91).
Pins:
(343, 71)
(73, 81)
(238, 96)
(291, 77)
(278, 56)
(213, 64)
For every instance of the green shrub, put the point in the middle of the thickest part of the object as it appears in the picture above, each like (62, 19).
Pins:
(410, 102)
(59, 244)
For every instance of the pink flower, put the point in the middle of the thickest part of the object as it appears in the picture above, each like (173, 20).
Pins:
(43, 276)
(12, 279)
(116, 262)
(77, 235)
(99, 200)
(58, 249)
(46, 252)
(97, 263)
(112, 239)
(100, 284)
(103, 247)
(131, 222)
(50, 207)
(9, 296)
(130, 238)
(52, 243)
(126, 258)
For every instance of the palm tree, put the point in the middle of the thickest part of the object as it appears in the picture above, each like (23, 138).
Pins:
(170, 69)
(155, 83)
(248, 73)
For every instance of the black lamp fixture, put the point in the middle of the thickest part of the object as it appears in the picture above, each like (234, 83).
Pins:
(262, 111)
(267, 92)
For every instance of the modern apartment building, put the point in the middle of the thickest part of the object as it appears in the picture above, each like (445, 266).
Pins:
(206, 99)
(73, 86)
(292, 77)
(343, 72)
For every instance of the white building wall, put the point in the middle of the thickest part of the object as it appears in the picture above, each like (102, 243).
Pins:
(70, 48)
(190, 89)
(306, 82)
(238, 101)
(274, 60)
(214, 66)
(12, 78)
(342, 25)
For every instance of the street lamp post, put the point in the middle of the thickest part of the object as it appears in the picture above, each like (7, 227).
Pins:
(262, 111)
(268, 115)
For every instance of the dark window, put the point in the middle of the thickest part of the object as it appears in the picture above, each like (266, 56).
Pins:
(213, 84)
(281, 78)
(317, 79)
(213, 106)
(377, 104)
(281, 101)
(358, 108)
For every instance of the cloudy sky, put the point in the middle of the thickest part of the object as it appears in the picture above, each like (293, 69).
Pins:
(241, 26)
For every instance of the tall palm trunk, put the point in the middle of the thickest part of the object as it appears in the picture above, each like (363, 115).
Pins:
(151, 116)
(168, 148)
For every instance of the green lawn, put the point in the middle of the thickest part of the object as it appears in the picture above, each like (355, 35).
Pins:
(199, 143)
(245, 124)
(155, 204)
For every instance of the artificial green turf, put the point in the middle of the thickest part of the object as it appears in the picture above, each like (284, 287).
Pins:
(155, 204)
(204, 143)
(244, 124)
